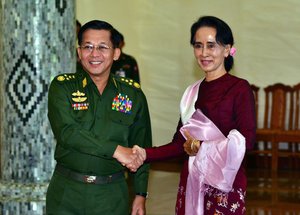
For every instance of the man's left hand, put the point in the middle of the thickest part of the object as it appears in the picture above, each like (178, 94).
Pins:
(139, 205)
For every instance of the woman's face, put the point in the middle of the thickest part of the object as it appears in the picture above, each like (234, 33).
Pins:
(209, 54)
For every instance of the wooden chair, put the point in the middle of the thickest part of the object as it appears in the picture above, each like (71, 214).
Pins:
(278, 98)
(252, 156)
(297, 124)
(291, 135)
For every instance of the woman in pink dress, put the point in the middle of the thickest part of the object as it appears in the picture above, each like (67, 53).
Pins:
(228, 103)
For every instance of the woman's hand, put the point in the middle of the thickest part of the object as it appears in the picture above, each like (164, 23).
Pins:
(191, 145)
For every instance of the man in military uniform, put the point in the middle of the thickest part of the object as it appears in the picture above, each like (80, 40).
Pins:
(126, 65)
(95, 118)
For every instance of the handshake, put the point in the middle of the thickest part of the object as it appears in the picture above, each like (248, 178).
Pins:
(132, 158)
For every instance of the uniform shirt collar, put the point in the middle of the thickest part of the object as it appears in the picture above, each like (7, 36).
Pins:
(85, 76)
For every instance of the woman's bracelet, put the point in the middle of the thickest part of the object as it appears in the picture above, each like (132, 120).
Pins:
(193, 144)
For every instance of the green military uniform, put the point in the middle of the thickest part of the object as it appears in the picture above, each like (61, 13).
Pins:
(79, 66)
(88, 127)
(126, 66)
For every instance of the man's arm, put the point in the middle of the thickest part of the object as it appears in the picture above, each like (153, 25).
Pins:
(141, 135)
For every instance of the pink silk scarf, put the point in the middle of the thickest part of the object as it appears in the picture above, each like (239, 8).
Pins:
(218, 159)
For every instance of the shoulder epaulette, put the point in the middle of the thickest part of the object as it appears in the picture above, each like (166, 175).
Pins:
(128, 82)
(66, 77)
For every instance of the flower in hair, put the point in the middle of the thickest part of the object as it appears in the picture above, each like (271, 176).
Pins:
(232, 51)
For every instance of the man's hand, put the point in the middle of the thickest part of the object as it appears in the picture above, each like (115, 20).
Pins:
(141, 154)
(128, 158)
(191, 145)
(139, 205)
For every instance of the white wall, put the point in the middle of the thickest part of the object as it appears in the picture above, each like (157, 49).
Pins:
(267, 37)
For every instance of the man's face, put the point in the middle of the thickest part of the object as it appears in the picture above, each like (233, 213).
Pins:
(96, 53)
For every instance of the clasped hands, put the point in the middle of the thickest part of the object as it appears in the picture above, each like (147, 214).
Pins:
(132, 158)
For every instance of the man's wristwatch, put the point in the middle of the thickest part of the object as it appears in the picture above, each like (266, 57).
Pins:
(142, 194)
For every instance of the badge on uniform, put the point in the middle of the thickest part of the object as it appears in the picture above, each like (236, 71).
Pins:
(80, 99)
(122, 103)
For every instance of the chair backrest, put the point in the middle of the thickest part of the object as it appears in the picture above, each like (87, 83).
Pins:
(255, 90)
(296, 107)
(278, 106)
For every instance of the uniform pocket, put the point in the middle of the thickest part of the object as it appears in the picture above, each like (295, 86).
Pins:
(121, 118)
(119, 126)
(83, 115)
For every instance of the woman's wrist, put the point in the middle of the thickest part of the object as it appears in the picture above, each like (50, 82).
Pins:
(195, 145)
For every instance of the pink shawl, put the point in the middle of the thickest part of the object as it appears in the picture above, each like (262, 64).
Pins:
(218, 159)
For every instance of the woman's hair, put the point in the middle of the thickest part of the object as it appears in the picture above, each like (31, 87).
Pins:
(100, 25)
(223, 34)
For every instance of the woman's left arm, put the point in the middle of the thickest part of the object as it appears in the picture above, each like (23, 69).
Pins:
(244, 113)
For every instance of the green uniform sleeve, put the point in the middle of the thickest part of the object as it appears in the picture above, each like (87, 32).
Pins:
(141, 135)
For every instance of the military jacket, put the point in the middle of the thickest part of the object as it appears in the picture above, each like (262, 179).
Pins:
(89, 126)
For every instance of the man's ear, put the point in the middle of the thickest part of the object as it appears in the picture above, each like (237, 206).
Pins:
(78, 52)
(117, 53)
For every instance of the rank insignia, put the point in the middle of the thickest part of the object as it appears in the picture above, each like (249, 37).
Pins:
(79, 97)
(84, 82)
(65, 77)
(122, 103)
(137, 85)
(131, 82)
(60, 78)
